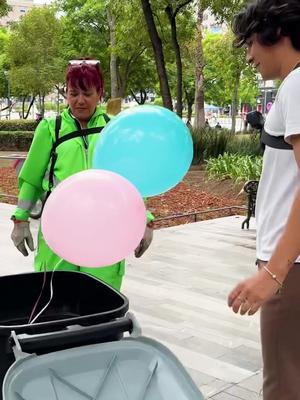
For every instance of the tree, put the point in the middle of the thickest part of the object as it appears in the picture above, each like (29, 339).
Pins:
(158, 54)
(108, 30)
(172, 10)
(85, 33)
(34, 54)
(228, 78)
(4, 37)
(4, 8)
(199, 121)
(224, 11)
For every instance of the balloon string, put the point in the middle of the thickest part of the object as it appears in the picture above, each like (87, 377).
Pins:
(51, 294)
(40, 295)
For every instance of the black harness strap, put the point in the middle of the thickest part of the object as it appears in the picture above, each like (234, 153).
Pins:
(53, 155)
(276, 142)
(75, 134)
(106, 118)
(59, 140)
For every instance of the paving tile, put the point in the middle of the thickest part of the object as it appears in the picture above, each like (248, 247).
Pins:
(243, 393)
(253, 383)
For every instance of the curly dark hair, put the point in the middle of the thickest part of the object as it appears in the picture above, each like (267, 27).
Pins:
(270, 19)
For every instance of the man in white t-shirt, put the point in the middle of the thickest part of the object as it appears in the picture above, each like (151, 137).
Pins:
(270, 29)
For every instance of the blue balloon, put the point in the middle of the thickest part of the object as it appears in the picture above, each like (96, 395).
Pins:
(149, 145)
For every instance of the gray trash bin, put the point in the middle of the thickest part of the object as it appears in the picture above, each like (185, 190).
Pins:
(130, 369)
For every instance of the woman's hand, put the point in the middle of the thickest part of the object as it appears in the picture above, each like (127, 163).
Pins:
(249, 295)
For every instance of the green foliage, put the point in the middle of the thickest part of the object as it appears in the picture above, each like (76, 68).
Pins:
(208, 143)
(4, 8)
(224, 10)
(224, 65)
(4, 37)
(86, 32)
(158, 101)
(20, 125)
(244, 144)
(15, 140)
(234, 166)
(34, 53)
(53, 106)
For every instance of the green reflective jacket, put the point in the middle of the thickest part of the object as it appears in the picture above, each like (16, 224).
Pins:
(72, 157)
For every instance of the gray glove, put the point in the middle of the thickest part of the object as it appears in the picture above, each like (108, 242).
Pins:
(145, 242)
(21, 234)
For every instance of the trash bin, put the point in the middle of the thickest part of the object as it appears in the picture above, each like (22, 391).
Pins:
(136, 368)
(78, 299)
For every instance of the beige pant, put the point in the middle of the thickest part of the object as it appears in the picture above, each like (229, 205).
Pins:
(280, 336)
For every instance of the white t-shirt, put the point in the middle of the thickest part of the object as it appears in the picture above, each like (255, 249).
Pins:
(280, 178)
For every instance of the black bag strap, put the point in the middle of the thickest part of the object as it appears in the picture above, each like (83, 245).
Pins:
(75, 134)
(106, 118)
(69, 136)
(53, 155)
(276, 142)
(57, 126)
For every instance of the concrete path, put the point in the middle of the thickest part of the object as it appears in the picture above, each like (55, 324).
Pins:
(178, 292)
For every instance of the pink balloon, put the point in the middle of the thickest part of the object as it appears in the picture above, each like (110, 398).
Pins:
(94, 218)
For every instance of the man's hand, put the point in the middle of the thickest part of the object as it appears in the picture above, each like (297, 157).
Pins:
(145, 242)
(20, 235)
(249, 295)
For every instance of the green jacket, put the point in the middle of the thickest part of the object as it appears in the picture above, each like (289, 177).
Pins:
(72, 157)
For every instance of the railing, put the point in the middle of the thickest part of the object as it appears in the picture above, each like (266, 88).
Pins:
(195, 214)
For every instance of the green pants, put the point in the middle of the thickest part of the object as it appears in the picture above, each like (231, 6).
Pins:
(45, 258)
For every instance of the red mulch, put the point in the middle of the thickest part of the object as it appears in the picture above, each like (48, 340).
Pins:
(191, 195)
(8, 184)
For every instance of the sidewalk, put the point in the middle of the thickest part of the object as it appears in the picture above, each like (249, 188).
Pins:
(178, 293)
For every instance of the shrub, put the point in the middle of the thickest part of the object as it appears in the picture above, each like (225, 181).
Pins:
(158, 101)
(209, 142)
(15, 140)
(18, 125)
(248, 144)
(235, 166)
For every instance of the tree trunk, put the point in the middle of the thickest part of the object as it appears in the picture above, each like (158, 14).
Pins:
(158, 54)
(23, 107)
(199, 91)
(234, 101)
(172, 20)
(143, 96)
(114, 91)
(29, 107)
(42, 105)
(190, 102)
(61, 91)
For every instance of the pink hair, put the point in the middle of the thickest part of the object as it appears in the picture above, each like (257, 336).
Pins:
(85, 76)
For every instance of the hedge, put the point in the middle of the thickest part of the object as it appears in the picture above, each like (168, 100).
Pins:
(18, 125)
(15, 140)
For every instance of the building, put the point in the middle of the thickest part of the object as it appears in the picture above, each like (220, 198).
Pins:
(18, 9)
